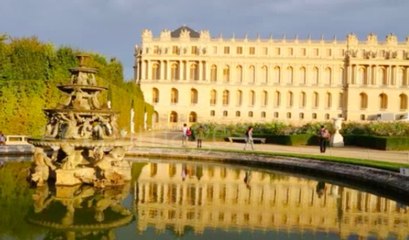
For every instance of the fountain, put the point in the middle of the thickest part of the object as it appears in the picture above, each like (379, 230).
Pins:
(81, 142)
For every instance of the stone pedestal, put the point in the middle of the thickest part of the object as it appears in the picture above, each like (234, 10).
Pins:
(337, 140)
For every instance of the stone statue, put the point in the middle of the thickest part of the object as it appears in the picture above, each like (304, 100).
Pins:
(73, 159)
(41, 167)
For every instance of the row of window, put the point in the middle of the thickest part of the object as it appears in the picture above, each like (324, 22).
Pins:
(364, 74)
(264, 99)
(173, 117)
(339, 52)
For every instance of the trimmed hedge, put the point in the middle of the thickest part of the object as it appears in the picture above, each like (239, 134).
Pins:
(376, 142)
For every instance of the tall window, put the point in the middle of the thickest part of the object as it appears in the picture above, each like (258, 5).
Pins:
(226, 74)
(193, 96)
(303, 76)
(252, 74)
(277, 98)
(290, 100)
(364, 100)
(194, 72)
(239, 71)
(403, 101)
(213, 73)
(173, 117)
(315, 76)
(277, 74)
(303, 99)
(328, 76)
(315, 100)
(174, 74)
(264, 74)
(239, 97)
(328, 100)
(192, 117)
(213, 97)
(290, 75)
(383, 101)
(155, 71)
(174, 96)
(252, 98)
(226, 97)
(264, 98)
(155, 95)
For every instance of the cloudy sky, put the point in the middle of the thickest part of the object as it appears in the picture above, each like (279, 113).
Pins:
(113, 27)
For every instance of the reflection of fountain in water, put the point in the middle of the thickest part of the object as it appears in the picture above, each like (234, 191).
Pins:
(196, 196)
(82, 135)
(78, 211)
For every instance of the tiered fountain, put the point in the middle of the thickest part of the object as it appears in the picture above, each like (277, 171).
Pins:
(81, 142)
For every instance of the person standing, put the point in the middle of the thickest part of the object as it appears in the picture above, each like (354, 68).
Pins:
(185, 136)
(249, 138)
(323, 138)
(2, 139)
(199, 136)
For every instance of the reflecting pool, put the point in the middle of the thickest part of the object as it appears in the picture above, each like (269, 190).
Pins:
(196, 200)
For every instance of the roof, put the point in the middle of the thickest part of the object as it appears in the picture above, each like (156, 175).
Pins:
(192, 33)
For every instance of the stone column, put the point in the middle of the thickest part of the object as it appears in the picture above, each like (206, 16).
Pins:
(337, 140)
(162, 70)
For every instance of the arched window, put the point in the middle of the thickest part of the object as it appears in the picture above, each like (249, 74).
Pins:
(315, 99)
(361, 78)
(192, 117)
(155, 71)
(328, 76)
(328, 100)
(383, 101)
(213, 97)
(239, 98)
(155, 95)
(264, 72)
(277, 99)
(252, 74)
(226, 74)
(194, 72)
(303, 76)
(403, 99)
(290, 75)
(252, 98)
(364, 100)
(239, 70)
(290, 100)
(193, 96)
(226, 96)
(277, 75)
(264, 98)
(315, 76)
(213, 73)
(303, 99)
(173, 117)
(174, 71)
(174, 96)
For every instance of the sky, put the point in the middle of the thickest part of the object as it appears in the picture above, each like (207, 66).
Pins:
(113, 27)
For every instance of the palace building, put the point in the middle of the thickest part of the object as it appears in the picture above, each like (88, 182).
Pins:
(189, 77)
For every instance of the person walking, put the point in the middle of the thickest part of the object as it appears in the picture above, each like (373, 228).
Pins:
(324, 136)
(249, 138)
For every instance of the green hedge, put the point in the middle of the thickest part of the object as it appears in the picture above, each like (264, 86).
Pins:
(377, 142)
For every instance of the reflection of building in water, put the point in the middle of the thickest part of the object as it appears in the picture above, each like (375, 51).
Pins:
(217, 197)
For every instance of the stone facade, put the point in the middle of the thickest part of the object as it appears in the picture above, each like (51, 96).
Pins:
(190, 77)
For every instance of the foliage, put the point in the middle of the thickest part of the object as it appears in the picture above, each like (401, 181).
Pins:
(31, 70)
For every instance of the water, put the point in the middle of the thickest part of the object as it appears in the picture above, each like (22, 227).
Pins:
(187, 200)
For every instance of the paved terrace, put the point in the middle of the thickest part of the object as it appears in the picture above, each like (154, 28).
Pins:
(173, 139)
